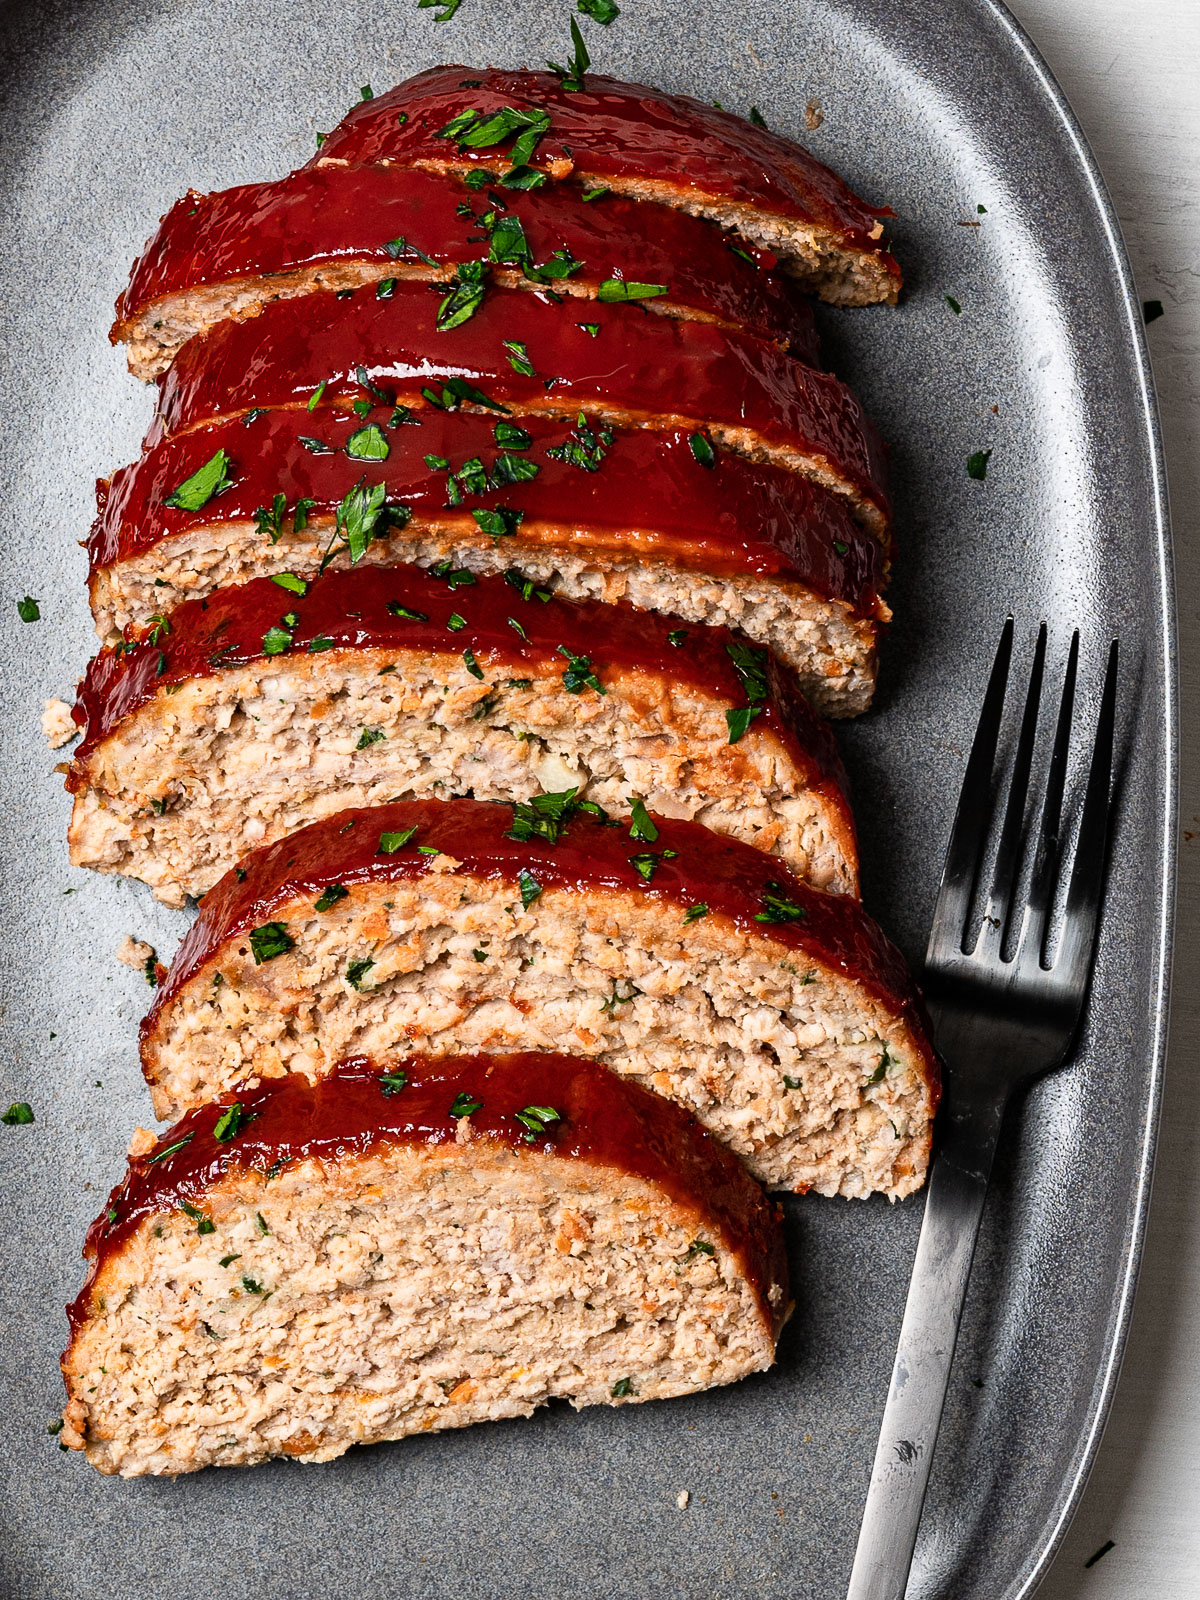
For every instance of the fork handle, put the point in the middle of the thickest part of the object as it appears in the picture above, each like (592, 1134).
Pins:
(954, 1200)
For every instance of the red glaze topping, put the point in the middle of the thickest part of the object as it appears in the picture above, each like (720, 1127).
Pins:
(733, 879)
(640, 363)
(649, 498)
(338, 214)
(610, 129)
(603, 1119)
(356, 609)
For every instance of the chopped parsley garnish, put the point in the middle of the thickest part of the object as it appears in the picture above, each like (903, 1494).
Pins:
(209, 480)
(738, 721)
(982, 210)
(366, 92)
(385, 288)
(231, 1122)
(455, 391)
(399, 247)
(356, 971)
(479, 955)
(290, 582)
(389, 843)
(700, 1247)
(227, 1261)
(572, 73)
(500, 522)
(314, 399)
(616, 998)
(757, 118)
(446, 9)
(368, 444)
(584, 448)
(977, 465)
(703, 450)
(259, 1220)
(320, 642)
(694, 913)
(593, 194)
(360, 516)
(316, 447)
(623, 1387)
(510, 437)
(641, 828)
(615, 291)
(645, 864)
(150, 970)
(840, 546)
(544, 817)
(28, 609)
(456, 577)
(953, 304)
(269, 941)
(170, 1150)
(529, 886)
(529, 589)
(536, 1120)
(465, 297)
(330, 897)
(251, 1286)
(601, 11)
(472, 665)
(792, 1083)
(276, 641)
(590, 327)
(778, 908)
(18, 1114)
(508, 469)
(368, 737)
(405, 613)
(203, 1224)
(456, 622)
(482, 130)
(518, 358)
(517, 628)
(393, 1082)
(464, 1104)
(579, 674)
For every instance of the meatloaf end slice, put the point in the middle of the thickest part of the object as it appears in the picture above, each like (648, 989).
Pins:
(247, 715)
(692, 963)
(666, 148)
(411, 1246)
(635, 515)
(223, 256)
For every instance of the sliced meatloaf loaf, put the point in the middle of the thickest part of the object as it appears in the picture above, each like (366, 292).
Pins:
(226, 255)
(527, 355)
(245, 716)
(640, 142)
(407, 1247)
(692, 963)
(638, 515)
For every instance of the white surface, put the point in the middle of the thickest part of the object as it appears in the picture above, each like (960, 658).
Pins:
(1132, 75)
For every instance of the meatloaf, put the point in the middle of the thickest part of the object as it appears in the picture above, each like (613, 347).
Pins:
(633, 514)
(639, 142)
(696, 965)
(407, 1247)
(226, 255)
(243, 717)
(526, 355)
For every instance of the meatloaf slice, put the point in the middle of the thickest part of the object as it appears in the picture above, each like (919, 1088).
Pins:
(634, 515)
(522, 354)
(226, 255)
(692, 963)
(244, 716)
(410, 1246)
(638, 141)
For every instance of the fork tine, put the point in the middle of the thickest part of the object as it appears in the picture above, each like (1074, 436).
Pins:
(969, 833)
(1008, 852)
(1082, 910)
(1047, 857)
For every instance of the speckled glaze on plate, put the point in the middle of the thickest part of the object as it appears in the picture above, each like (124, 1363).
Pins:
(110, 112)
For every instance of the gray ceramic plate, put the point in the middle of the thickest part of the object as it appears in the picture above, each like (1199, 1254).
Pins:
(110, 111)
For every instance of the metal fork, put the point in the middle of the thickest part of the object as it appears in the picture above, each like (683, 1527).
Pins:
(999, 1020)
